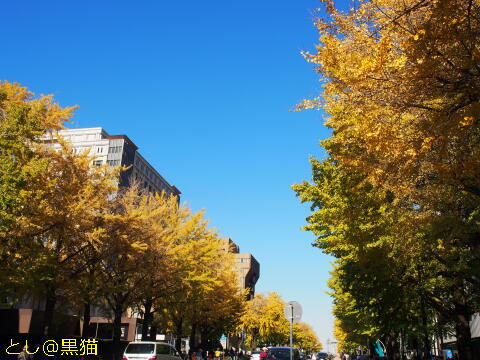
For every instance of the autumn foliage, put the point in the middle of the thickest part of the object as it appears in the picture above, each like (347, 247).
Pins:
(71, 238)
(397, 202)
(265, 324)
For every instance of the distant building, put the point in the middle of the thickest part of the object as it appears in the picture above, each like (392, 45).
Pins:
(116, 150)
(246, 267)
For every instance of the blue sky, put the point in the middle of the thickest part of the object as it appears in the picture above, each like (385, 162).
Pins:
(204, 89)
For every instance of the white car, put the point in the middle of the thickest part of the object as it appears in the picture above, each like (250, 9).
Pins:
(255, 355)
(150, 350)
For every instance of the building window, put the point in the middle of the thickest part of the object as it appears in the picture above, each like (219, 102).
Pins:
(114, 149)
(97, 162)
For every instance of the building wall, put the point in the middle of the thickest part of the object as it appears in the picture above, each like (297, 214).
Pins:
(116, 150)
(248, 270)
(247, 267)
(149, 178)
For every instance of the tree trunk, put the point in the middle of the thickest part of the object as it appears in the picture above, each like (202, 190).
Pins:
(51, 300)
(191, 341)
(462, 325)
(147, 319)
(86, 320)
(391, 345)
(117, 332)
(462, 330)
(426, 336)
(204, 338)
(153, 333)
(178, 335)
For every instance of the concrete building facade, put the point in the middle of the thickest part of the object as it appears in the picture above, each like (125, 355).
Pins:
(246, 267)
(116, 150)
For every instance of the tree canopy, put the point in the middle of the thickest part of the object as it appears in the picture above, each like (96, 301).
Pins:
(264, 323)
(397, 202)
(72, 238)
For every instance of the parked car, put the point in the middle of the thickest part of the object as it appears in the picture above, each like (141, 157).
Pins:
(282, 353)
(150, 350)
(322, 355)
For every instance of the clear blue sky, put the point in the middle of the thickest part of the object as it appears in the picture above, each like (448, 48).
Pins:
(204, 88)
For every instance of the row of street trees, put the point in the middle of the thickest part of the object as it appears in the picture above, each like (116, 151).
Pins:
(72, 239)
(397, 201)
(265, 324)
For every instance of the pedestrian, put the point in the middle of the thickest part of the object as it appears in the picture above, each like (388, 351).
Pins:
(263, 354)
(23, 354)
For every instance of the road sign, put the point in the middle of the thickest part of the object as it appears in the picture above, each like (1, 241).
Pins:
(293, 311)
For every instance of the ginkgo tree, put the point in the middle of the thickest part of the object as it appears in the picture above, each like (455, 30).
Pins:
(264, 323)
(54, 200)
(373, 284)
(401, 94)
(206, 298)
(160, 263)
(72, 238)
(24, 119)
(68, 205)
(221, 306)
(304, 338)
(133, 242)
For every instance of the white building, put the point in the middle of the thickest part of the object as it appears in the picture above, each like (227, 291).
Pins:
(117, 150)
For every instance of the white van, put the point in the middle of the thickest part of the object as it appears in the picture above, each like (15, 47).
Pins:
(150, 350)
